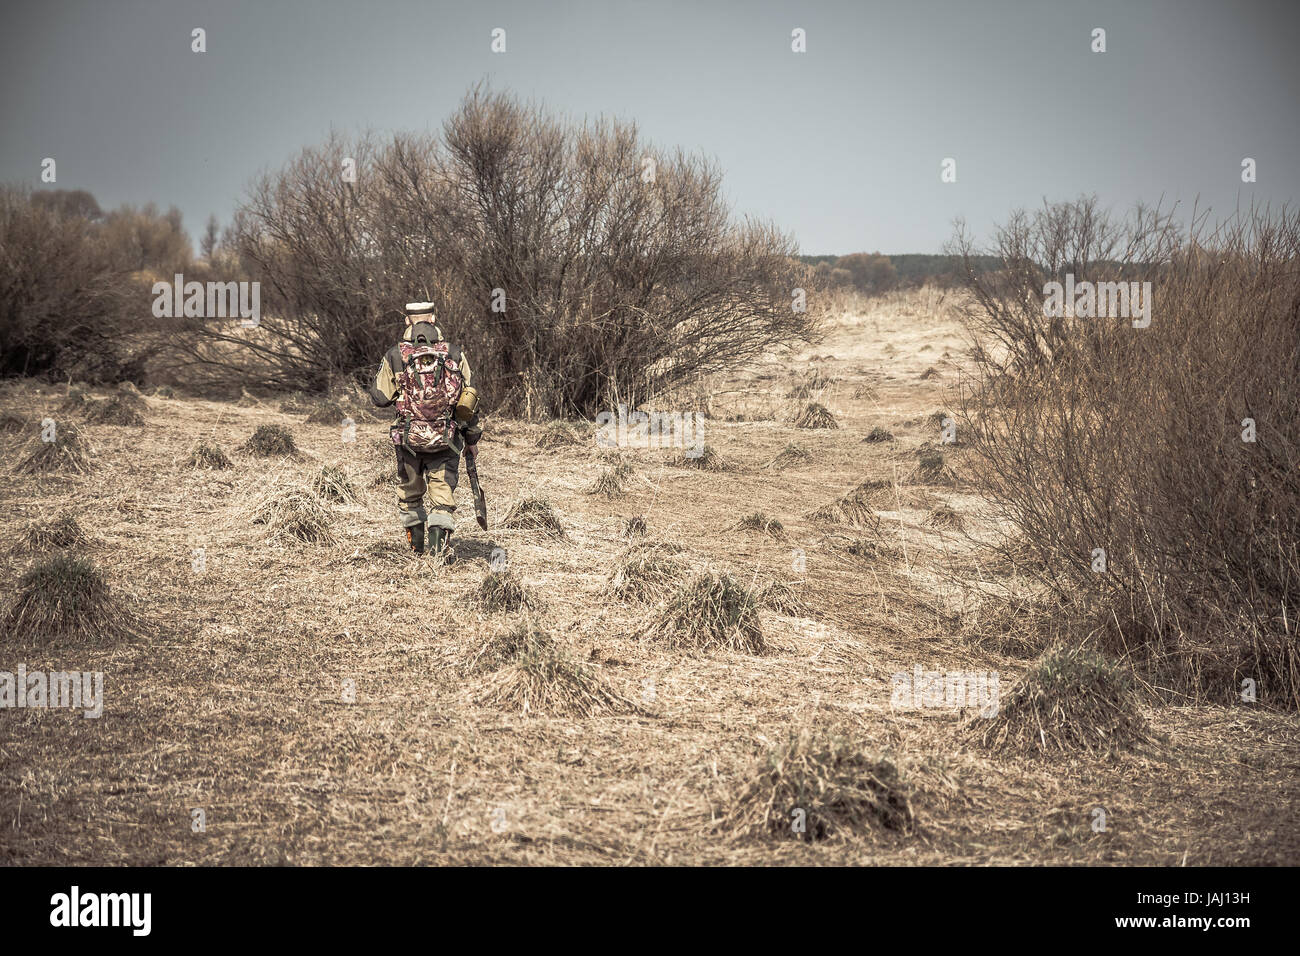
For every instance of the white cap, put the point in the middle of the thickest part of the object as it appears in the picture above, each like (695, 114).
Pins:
(419, 308)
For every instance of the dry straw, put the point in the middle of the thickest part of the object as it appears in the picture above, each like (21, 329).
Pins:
(1072, 700)
(819, 785)
(646, 572)
(294, 513)
(540, 679)
(815, 415)
(268, 440)
(65, 599)
(67, 454)
(533, 514)
(708, 611)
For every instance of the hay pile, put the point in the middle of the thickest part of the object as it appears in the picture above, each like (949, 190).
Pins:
(877, 435)
(634, 527)
(64, 598)
(782, 597)
(815, 383)
(67, 454)
(502, 591)
(293, 513)
(612, 481)
(760, 523)
(208, 455)
(331, 484)
(708, 611)
(931, 469)
(708, 459)
(540, 679)
(839, 786)
(558, 434)
(1072, 700)
(943, 516)
(120, 409)
(815, 415)
(646, 572)
(788, 456)
(61, 533)
(326, 413)
(853, 508)
(533, 514)
(268, 440)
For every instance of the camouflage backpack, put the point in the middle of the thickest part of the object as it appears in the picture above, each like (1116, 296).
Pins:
(429, 382)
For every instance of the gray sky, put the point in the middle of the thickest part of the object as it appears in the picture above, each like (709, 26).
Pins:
(841, 145)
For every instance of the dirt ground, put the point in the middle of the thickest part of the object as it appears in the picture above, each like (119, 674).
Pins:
(235, 698)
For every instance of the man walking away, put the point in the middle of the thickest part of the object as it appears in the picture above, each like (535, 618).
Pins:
(429, 379)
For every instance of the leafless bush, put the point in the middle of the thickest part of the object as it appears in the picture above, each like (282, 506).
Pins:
(576, 280)
(61, 290)
(1101, 437)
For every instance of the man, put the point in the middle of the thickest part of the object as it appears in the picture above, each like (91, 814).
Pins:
(429, 379)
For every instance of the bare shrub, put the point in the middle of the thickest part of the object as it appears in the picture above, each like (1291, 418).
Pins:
(1098, 439)
(616, 289)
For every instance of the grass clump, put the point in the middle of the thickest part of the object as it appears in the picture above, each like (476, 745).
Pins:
(65, 598)
(294, 513)
(326, 413)
(1072, 700)
(644, 572)
(932, 469)
(705, 459)
(878, 435)
(67, 454)
(761, 523)
(558, 434)
(782, 597)
(268, 440)
(538, 678)
(853, 508)
(634, 527)
(208, 455)
(788, 456)
(815, 415)
(943, 516)
(502, 591)
(709, 611)
(840, 787)
(331, 484)
(533, 514)
(612, 481)
(121, 409)
(61, 533)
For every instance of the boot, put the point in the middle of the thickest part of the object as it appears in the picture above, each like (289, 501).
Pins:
(415, 538)
(437, 540)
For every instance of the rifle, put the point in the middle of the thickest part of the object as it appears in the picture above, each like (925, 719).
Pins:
(480, 503)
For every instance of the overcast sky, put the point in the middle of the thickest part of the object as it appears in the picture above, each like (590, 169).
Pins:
(841, 145)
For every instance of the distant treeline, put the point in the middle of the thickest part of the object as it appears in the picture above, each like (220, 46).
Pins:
(873, 272)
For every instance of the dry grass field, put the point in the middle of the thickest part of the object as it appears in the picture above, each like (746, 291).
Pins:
(339, 701)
